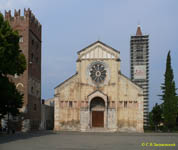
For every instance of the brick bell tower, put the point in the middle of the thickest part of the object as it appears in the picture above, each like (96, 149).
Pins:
(139, 66)
(29, 83)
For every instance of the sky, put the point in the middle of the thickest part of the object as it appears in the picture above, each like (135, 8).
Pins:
(71, 25)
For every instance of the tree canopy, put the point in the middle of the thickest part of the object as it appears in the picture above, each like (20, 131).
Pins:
(12, 61)
(169, 96)
(11, 98)
(156, 115)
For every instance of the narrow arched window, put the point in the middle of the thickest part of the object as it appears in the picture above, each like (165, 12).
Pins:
(35, 107)
(32, 89)
(70, 103)
(125, 104)
(21, 39)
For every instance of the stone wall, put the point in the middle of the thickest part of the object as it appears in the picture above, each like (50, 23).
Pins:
(47, 117)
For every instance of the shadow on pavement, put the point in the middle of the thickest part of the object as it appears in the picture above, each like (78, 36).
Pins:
(5, 138)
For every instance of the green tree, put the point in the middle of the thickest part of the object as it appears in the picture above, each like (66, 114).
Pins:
(177, 114)
(169, 96)
(12, 62)
(11, 98)
(150, 118)
(156, 115)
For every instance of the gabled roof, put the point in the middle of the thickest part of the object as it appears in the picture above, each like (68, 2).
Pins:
(96, 43)
(66, 80)
(130, 80)
(97, 91)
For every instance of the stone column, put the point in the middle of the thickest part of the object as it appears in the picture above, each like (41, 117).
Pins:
(56, 114)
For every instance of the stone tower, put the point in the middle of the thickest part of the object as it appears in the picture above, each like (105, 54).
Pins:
(29, 83)
(139, 68)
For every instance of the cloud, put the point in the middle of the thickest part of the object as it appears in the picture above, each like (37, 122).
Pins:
(14, 4)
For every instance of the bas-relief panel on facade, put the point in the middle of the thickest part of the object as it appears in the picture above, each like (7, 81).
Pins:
(115, 105)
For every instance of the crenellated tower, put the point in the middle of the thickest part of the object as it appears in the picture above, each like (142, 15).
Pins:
(29, 83)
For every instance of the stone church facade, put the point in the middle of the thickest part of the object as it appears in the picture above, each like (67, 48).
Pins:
(98, 95)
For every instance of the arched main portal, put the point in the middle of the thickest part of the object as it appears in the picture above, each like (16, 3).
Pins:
(97, 108)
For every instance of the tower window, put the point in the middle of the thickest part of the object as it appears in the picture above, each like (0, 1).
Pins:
(34, 107)
(36, 59)
(139, 50)
(139, 57)
(32, 42)
(31, 56)
(32, 89)
(37, 92)
(21, 39)
(37, 46)
(16, 76)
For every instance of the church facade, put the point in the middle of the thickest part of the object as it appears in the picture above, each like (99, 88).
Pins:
(98, 95)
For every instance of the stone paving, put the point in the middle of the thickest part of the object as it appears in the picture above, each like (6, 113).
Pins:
(48, 140)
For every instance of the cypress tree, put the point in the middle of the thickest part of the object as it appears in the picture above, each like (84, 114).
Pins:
(156, 115)
(169, 96)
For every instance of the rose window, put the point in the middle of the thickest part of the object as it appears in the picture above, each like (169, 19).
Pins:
(97, 72)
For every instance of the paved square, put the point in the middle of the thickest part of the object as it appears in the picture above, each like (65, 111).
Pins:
(48, 140)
